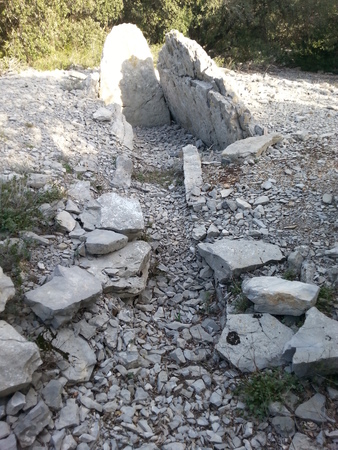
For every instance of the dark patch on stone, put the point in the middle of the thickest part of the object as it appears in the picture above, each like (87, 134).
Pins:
(257, 316)
(233, 338)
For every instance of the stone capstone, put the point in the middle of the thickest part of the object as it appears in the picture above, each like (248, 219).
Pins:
(274, 295)
(250, 147)
(253, 341)
(198, 95)
(228, 258)
(121, 214)
(128, 78)
(19, 360)
(123, 272)
(7, 290)
(101, 242)
(58, 300)
(313, 350)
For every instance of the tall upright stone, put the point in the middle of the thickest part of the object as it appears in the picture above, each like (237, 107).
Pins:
(128, 78)
(199, 96)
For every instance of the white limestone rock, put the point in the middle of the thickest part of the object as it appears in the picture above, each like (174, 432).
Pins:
(121, 129)
(274, 295)
(7, 290)
(101, 242)
(19, 360)
(58, 300)
(192, 174)
(199, 96)
(128, 78)
(103, 115)
(228, 258)
(65, 221)
(121, 214)
(313, 350)
(250, 147)
(253, 341)
(122, 175)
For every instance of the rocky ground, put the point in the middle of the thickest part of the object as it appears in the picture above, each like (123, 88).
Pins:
(162, 399)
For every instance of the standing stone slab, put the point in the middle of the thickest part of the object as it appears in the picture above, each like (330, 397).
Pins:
(314, 348)
(121, 214)
(121, 129)
(7, 290)
(228, 258)
(122, 175)
(101, 242)
(128, 78)
(58, 300)
(19, 360)
(277, 296)
(192, 174)
(81, 359)
(198, 95)
(253, 341)
(250, 147)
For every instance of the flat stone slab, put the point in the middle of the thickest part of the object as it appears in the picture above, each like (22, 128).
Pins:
(192, 173)
(101, 242)
(250, 147)
(7, 290)
(229, 258)
(121, 214)
(19, 360)
(58, 300)
(314, 348)
(253, 341)
(313, 409)
(80, 361)
(123, 272)
(274, 295)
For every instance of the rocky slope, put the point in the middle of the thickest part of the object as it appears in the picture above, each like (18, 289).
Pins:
(158, 381)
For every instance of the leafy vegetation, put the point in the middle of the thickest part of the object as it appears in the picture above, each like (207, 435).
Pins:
(260, 389)
(327, 299)
(57, 33)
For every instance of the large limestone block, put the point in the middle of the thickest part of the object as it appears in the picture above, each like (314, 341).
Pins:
(228, 258)
(7, 290)
(198, 94)
(123, 272)
(128, 78)
(121, 214)
(250, 147)
(19, 360)
(277, 296)
(253, 341)
(58, 300)
(314, 348)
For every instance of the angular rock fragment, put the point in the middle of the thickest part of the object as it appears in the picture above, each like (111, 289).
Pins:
(122, 175)
(253, 341)
(65, 221)
(101, 242)
(31, 424)
(19, 360)
(228, 258)
(274, 295)
(7, 290)
(250, 147)
(313, 409)
(58, 300)
(192, 174)
(121, 129)
(128, 78)
(80, 191)
(314, 348)
(123, 272)
(103, 115)
(121, 214)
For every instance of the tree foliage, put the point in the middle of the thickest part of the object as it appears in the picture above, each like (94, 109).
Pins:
(298, 32)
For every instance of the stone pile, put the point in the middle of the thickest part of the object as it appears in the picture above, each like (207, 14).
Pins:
(142, 372)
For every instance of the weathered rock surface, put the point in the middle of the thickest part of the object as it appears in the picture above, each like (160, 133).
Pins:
(121, 128)
(7, 290)
(250, 147)
(58, 300)
(198, 95)
(128, 78)
(192, 174)
(121, 214)
(101, 242)
(228, 258)
(303, 442)
(313, 409)
(253, 341)
(65, 221)
(124, 170)
(277, 296)
(314, 348)
(19, 360)
(123, 272)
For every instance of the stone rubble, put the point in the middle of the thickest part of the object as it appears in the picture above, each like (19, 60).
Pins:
(143, 372)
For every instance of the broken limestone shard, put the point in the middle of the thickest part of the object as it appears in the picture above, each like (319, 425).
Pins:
(128, 78)
(7, 290)
(228, 258)
(192, 174)
(19, 360)
(58, 300)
